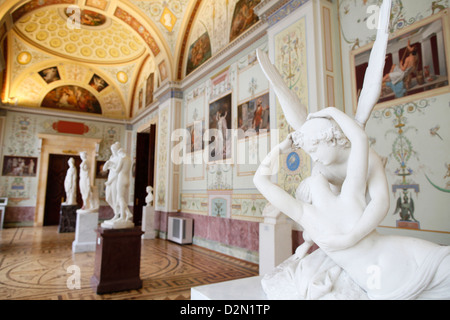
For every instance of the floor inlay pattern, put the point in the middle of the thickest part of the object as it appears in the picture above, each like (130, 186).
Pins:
(38, 263)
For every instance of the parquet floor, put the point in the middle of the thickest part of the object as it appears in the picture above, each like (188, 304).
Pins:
(34, 265)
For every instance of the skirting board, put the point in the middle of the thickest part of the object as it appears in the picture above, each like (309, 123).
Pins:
(240, 289)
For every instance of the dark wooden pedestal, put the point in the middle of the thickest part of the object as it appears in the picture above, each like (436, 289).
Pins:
(117, 260)
(68, 218)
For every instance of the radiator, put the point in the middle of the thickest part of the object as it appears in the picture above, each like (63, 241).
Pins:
(180, 230)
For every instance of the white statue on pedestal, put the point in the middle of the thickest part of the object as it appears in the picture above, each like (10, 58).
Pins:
(117, 188)
(89, 193)
(70, 184)
(87, 216)
(149, 197)
(111, 183)
(353, 261)
(148, 216)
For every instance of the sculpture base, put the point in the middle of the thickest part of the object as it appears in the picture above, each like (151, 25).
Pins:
(117, 260)
(68, 218)
(408, 224)
(85, 236)
(148, 219)
(241, 289)
(117, 224)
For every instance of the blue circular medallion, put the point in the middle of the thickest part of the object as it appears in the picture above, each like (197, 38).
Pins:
(293, 161)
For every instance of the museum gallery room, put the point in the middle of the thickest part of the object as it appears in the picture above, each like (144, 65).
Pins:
(158, 150)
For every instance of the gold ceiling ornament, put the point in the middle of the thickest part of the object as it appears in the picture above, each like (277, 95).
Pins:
(109, 42)
(24, 57)
(122, 77)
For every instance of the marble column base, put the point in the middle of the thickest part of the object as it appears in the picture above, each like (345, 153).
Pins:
(85, 231)
(148, 221)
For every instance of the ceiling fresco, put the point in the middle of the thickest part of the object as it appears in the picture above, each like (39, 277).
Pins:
(107, 57)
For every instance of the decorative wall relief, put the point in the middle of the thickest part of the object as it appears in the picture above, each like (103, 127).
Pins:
(163, 136)
(219, 176)
(416, 158)
(21, 140)
(291, 62)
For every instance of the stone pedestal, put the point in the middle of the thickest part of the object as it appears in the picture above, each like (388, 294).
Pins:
(408, 224)
(117, 260)
(148, 221)
(275, 243)
(67, 218)
(85, 236)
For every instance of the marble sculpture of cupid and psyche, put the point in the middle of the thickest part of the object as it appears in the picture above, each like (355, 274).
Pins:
(343, 201)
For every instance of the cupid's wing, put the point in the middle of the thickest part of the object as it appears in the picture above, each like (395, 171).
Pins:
(294, 110)
(371, 89)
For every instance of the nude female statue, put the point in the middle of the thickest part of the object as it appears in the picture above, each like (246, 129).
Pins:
(70, 183)
(331, 204)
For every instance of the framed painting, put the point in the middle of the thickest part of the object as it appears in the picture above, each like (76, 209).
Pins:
(417, 63)
(254, 116)
(220, 139)
(199, 52)
(14, 166)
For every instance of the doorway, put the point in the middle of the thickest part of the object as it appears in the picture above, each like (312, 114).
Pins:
(144, 170)
(55, 193)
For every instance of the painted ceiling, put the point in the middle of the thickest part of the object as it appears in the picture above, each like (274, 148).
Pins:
(106, 57)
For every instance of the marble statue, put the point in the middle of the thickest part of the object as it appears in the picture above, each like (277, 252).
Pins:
(118, 188)
(149, 197)
(70, 184)
(343, 201)
(87, 216)
(89, 192)
(110, 184)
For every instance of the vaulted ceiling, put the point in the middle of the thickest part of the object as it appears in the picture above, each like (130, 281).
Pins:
(106, 57)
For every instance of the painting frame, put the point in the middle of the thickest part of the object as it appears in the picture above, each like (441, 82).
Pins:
(419, 82)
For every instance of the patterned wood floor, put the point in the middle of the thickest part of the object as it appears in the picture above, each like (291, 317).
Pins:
(34, 265)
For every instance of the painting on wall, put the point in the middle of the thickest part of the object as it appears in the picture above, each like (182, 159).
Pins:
(243, 17)
(98, 83)
(416, 65)
(199, 52)
(163, 70)
(73, 98)
(254, 116)
(50, 74)
(87, 17)
(19, 166)
(196, 131)
(220, 119)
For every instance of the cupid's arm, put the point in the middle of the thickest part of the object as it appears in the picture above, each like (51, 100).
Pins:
(279, 198)
(357, 163)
